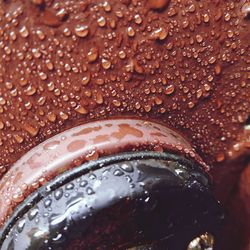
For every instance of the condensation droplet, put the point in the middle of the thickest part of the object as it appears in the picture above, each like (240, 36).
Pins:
(92, 55)
(19, 139)
(83, 183)
(130, 32)
(106, 6)
(82, 30)
(20, 225)
(32, 213)
(51, 117)
(106, 64)
(58, 194)
(199, 38)
(90, 191)
(33, 131)
(118, 172)
(101, 21)
(138, 19)
(122, 54)
(86, 78)
(24, 32)
(1, 125)
(127, 167)
(169, 90)
(81, 110)
(160, 34)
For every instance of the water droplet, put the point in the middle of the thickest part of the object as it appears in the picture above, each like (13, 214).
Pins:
(101, 21)
(58, 194)
(70, 186)
(36, 53)
(128, 179)
(191, 8)
(62, 14)
(122, 54)
(81, 110)
(2, 101)
(127, 167)
(51, 117)
(190, 105)
(92, 55)
(106, 6)
(130, 32)
(33, 131)
(43, 76)
(40, 35)
(159, 34)
(83, 183)
(19, 139)
(63, 115)
(206, 18)
(138, 19)
(207, 87)
(106, 64)
(199, 93)
(18, 197)
(93, 155)
(33, 213)
(86, 78)
(212, 60)
(227, 17)
(116, 103)
(90, 191)
(23, 81)
(92, 176)
(24, 32)
(118, 172)
(169, 90)
(1, 125)
(67, 32)
(99, 98)
(41, 100)
(47, 202)
(82, 30)
(30, 90)
(199, 38)
(20, 225)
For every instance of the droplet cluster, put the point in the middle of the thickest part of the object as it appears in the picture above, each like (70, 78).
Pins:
(65, 62)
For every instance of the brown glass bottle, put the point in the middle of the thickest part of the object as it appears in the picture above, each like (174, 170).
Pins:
(83, 82)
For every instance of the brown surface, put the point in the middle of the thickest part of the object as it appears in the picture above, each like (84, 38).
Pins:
(185, 63)
(66, 62)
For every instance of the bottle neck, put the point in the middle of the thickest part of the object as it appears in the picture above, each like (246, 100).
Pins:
(82, 144)
(139, 198)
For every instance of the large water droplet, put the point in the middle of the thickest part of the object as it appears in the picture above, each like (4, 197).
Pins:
(82, 30)
(58, 194)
